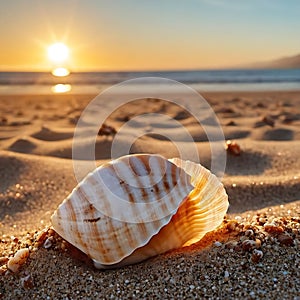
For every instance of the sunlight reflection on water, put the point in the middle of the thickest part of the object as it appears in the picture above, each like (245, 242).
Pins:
(60, 72)
(61, 88)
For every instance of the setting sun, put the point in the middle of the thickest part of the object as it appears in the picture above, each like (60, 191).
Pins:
(58, 52)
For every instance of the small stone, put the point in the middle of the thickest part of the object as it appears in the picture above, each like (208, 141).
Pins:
(248, 245)
(14, 239)
(272, 228)
(3, 270)
(3, 260)
(41, 237)
(268, 120)
(47, 243)
(26, 282)
(233, 148)
(217, 244)
(285, 239)
(249, 232)
(232, 225)
(231, 244)
(256, 255)
(226, 275)
(252, 294)
(257, 243)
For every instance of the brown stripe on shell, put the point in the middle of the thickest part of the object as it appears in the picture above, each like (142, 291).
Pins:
(70, 209)
(98, 243)
(107, 254)
(142, 163)
(58, 217)
(123, 185)
(103, 245)
(145, 162)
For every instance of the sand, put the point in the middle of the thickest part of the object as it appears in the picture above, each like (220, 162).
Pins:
(254, 254)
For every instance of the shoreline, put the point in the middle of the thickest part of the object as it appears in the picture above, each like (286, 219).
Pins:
(66, 88)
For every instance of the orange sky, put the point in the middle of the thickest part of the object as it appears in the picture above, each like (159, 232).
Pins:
(135, 35)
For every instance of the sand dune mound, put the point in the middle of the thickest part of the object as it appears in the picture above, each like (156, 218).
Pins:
(48, 134)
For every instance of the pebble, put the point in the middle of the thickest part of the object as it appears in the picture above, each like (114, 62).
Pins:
(217, 244)
(256, 255)
(47, 243)
(272, 228)
(226, 275)
(248, 245)
(26, 282)
(285, 239)
(3, 260)
(249, 232)
(233, 148)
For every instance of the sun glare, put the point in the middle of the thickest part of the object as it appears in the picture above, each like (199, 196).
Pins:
(60, 72)
(58, 52)
(61, 88)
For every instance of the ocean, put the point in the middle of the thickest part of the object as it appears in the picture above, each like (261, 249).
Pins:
(201, 80)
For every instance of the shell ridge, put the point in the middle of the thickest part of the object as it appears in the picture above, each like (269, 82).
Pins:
(185, 202)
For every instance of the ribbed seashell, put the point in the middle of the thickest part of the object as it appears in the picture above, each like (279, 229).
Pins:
(139, 206)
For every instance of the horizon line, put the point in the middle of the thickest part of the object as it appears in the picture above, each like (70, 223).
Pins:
(15, 70)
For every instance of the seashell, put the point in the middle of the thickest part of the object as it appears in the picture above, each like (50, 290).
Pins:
(15, 262)
(139, 206)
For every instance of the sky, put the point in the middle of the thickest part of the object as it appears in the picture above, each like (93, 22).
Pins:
(148, 34)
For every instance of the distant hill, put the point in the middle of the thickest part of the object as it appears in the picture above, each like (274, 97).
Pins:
(290, 62)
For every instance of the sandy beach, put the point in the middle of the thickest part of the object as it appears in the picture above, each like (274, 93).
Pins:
(254, 254)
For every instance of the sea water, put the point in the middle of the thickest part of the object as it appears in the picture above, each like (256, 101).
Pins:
(201, 80)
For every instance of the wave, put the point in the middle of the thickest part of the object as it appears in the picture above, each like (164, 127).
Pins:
(187, 77)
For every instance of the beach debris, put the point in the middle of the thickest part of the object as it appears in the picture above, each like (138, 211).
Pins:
(26, 282)
(3, 120)
(233, 147)
(139, 206)
(269, 121)
(231, 123)
(14, 263)
(107, 130)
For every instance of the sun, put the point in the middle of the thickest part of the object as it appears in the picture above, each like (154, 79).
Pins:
(58, 52)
